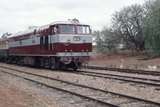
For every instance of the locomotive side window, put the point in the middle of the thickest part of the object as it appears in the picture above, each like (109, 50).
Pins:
(53, 29)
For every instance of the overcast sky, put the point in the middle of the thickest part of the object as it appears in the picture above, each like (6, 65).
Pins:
(16, 15)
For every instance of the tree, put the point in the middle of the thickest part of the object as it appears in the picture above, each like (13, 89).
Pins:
(127, 24)
(106, 40)
(152, 27)
(99, 41)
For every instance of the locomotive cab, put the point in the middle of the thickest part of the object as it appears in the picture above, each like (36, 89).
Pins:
(73, 44)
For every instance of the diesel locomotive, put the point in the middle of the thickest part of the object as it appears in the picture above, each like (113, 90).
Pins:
(58, 45)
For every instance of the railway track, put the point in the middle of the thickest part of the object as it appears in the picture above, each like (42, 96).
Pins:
(145, 81)
(100, 96)
(132, 79)
(133, 71)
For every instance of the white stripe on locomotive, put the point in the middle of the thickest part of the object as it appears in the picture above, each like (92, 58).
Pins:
(59, 38)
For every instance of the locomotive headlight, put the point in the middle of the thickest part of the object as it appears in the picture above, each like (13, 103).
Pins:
(76, 38)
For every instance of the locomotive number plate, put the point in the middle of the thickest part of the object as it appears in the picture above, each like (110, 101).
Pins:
(76, 38)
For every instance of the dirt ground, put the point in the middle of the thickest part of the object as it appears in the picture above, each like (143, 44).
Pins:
(125, 61)
(12, 95)
(8, 97)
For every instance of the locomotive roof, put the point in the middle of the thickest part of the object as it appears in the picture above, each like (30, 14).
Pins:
(28, 31)
(60, 22)
(66, 22)
(22, 33)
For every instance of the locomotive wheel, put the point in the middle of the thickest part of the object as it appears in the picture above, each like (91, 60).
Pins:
(73, 66)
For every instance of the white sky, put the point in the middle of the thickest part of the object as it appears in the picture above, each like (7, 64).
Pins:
(17, 15)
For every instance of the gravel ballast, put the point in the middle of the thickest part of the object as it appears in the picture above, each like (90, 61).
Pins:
(137, 90)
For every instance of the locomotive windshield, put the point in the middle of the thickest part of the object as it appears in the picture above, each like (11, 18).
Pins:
(83, 29)
(74, 29)
(67, 29)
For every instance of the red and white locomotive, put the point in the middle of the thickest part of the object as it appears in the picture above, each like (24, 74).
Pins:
(59, 45)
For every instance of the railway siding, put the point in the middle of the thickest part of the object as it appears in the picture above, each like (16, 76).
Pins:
(138, 71)
(72, 89)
